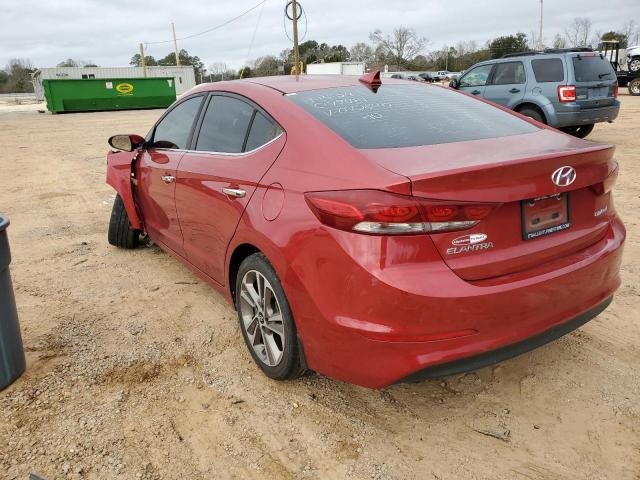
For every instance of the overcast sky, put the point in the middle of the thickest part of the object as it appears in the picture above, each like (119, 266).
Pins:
(108, 32)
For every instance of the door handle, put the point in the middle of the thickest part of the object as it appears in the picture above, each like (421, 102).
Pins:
(234, 192)
(168, 178)
(475, 92)
(514, 90)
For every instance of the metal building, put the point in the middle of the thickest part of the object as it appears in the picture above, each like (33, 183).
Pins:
(336, 68)
(185, 77)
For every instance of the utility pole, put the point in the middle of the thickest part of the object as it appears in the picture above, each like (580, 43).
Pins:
(142, 61)
(296, 51)
(540, 44)
(175, 44)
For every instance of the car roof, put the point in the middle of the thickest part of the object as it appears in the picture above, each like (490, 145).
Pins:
(301, 83)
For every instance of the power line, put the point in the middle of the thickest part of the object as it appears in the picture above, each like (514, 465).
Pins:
(212, 28)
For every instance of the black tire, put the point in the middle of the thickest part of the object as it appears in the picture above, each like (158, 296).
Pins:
(120, 232)
(634, 86)
(634, 64)
(579, 131)
(532, 113)
(291, 363)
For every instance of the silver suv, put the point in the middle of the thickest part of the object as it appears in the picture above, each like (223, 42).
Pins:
(567, 89)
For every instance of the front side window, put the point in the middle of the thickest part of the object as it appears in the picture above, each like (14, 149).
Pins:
(476, 77)
(548, 70)
(225, 124)
(509, 73)
(174, 129)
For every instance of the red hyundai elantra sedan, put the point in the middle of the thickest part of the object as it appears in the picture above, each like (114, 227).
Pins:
(373, 232)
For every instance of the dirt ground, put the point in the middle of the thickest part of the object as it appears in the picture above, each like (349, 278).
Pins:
(137, 369)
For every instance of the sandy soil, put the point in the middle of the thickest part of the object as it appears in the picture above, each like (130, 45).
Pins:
(138, 370)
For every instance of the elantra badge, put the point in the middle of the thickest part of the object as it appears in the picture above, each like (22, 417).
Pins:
(564, 176)
(469, 239)
(473, 242)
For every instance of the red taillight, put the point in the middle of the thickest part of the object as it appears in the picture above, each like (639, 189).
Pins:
(616, 88)
(567, 93)
(384, 213)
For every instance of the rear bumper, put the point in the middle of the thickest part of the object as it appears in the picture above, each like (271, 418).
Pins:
(575, 115)
(384, 309)
(509, 351)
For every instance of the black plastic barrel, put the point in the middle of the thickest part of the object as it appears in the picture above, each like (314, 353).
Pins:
(12, 362)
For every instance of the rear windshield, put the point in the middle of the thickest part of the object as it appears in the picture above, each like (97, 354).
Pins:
(592, 69)
(407, 115)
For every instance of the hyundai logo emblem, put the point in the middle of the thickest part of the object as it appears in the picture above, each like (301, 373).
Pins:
(564, 176)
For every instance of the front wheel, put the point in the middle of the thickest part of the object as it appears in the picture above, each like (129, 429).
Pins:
(579, 131)
(120, 232)
(266, 321)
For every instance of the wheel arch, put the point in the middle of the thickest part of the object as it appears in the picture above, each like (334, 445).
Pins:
(529, 104)
(240, 252)
(119, 169)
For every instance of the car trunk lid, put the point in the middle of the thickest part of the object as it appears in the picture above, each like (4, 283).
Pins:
(515, 172)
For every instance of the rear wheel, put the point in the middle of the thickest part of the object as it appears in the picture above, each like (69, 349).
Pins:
(120, 232)
(634, 86)
(579, 131)
(266, 321)
(532, 113)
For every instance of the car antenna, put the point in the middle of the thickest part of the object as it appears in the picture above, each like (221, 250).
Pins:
(371, 80)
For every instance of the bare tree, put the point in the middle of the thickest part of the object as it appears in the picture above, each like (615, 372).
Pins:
(578, 33)
(402, 46)
(217, 71)
(632, 33)
(559, 41)
(361, 52)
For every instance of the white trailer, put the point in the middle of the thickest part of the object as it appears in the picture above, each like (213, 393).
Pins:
(185, 77)
(336, 68)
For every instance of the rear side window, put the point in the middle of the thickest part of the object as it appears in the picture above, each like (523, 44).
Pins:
(592, 68)
(548, 70)
(174, 129)
(509, 73)
(263, 130)
(225, 124)
(407, 115)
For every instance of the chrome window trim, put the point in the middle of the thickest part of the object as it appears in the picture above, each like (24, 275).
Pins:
(224, 154)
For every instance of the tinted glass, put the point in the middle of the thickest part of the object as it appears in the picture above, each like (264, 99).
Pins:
(476, 77)
(548, 70)
(225, 124)
(407, 115)
(508, 73)
(262, 131)
(592, 69)
(173, 130)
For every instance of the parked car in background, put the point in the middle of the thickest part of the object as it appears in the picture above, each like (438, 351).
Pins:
(568, 89)
(356, 240)
(633, 59)
(427, 76)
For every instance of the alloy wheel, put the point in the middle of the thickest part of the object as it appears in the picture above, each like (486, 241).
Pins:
(262, 318)
(634, 66)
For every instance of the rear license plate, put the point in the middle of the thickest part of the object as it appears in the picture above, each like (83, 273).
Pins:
(545, 215)
(598, 92)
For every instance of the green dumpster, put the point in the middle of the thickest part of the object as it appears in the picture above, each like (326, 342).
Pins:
(109, 94)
